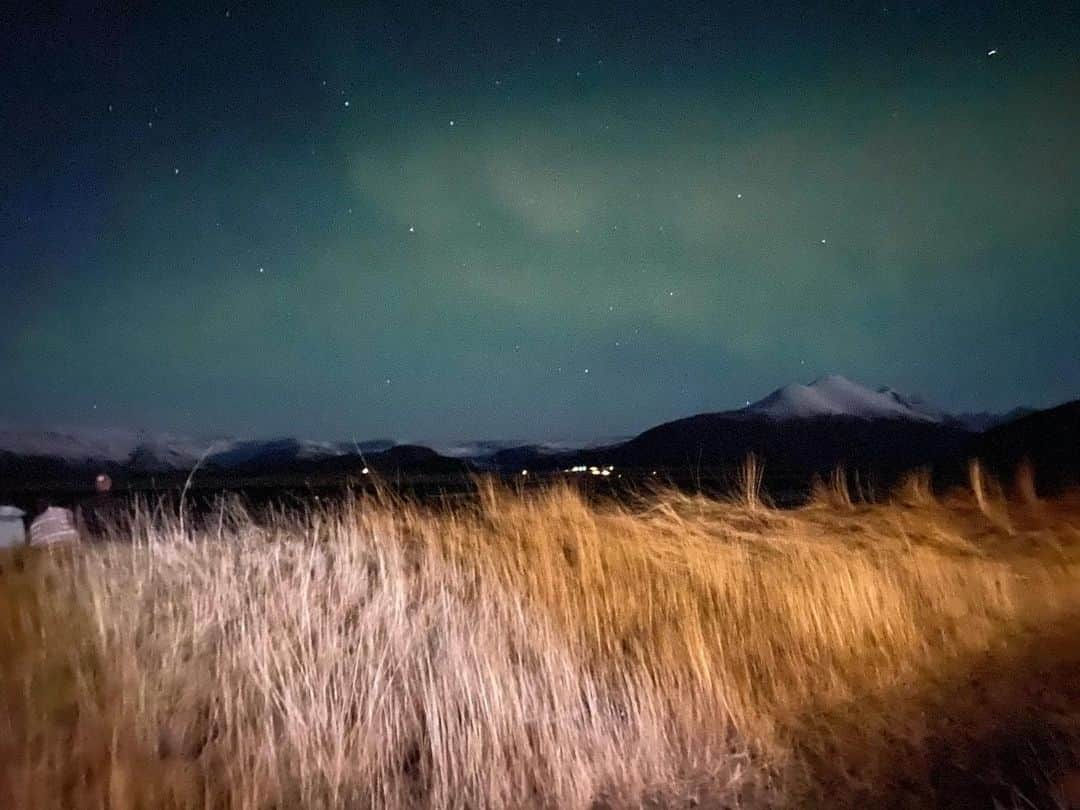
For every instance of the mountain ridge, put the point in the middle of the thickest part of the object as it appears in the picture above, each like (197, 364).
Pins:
(831, 397)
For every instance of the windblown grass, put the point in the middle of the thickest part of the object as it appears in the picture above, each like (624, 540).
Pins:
(541, 651)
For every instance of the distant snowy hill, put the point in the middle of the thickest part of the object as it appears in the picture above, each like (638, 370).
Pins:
(985, 420)
(838, 396)
(114, 445)
(255, 452)
(496, 449)
(146, 452)
(835, 395)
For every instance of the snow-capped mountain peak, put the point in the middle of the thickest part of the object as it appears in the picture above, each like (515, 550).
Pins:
(834, 395)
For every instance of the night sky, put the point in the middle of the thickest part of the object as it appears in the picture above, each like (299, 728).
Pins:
(531, 220)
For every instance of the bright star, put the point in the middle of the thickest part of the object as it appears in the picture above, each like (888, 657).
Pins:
(991, 52)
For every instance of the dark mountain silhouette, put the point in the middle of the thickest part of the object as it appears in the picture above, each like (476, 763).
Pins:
(1048, 440)
(394, 460)
(793, 451)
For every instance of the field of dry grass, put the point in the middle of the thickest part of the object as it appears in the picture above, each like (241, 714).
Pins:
(539, 650)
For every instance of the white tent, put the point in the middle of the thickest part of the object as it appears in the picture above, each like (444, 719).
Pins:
(12, 531)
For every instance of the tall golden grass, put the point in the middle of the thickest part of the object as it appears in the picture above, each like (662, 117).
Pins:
(539, 650)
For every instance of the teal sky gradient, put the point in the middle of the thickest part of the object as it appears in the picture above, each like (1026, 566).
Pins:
(534, 221)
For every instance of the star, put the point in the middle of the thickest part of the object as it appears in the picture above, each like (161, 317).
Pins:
(412, 229)
(346, 102)
(451, 122)
(176, 171)
(262, 269)
(991, 52)
(823, 241)
(586, 371)
(738, 196)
